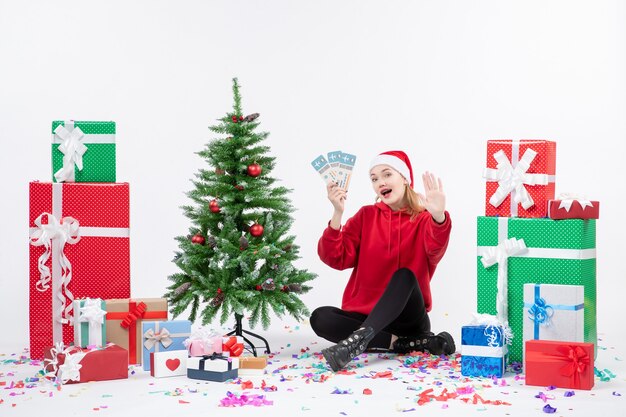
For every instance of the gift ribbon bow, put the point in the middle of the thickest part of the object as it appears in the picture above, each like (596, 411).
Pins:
(92, 312)
(64, 231)
(500, 254)
(152, 338)
(134, 315)
(540, 312)
(513, 180)
(213, 357)
(73, 148)
(568, 199)
(70, 369)
(231, 346)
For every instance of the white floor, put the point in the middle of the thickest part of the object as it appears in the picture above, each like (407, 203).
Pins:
(304, 386)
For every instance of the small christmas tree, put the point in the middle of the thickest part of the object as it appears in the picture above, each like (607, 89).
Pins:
(238, 254)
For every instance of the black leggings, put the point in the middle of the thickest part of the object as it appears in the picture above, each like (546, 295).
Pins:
(399, 311)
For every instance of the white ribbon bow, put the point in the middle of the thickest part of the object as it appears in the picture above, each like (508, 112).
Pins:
(568, 199)
(70, 369)
(500, 255)
(512, 180)
(152, 338)
(65, 231)
(73, 149)
(493, 327)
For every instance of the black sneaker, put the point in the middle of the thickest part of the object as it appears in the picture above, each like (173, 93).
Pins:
(439, 344)
(342, 353)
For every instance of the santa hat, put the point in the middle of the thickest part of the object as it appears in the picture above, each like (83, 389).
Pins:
(397, 160)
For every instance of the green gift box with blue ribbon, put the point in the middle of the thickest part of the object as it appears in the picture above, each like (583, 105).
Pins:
(554, 312)
(560, 252)
(83, 151)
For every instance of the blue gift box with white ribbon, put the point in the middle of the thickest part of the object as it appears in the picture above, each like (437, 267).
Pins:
(162, 336)
(483, 351)
(554, 312)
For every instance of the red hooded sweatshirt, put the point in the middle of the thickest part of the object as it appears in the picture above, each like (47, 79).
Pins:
(376, 242)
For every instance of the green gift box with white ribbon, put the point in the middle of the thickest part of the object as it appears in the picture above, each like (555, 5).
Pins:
(83, 151)
(517, 251)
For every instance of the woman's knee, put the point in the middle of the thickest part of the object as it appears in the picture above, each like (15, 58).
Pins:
(318, 318)
(405, 277)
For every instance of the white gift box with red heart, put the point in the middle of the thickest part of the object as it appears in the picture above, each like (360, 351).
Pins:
(168, 363)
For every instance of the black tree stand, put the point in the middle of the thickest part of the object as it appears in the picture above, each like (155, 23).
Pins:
(239, 331)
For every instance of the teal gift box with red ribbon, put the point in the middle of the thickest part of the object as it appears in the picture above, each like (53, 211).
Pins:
(559, 364)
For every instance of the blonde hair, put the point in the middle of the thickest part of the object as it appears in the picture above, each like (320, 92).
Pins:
(413, 200)
(414, 206)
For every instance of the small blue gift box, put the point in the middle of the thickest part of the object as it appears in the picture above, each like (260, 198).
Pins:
(483, 351)
(215, 367)
(163, 336)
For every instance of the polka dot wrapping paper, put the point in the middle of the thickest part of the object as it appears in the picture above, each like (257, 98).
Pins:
(99, 157)
(559, 252)
(95, 266)
(544, 162)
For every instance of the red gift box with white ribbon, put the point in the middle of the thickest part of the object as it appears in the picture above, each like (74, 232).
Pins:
(560, 364)
(520, 177)
(79, 248)
(570, 206)
(74, 364)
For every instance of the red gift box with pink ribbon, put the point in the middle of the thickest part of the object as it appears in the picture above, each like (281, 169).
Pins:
(520, 177)
(560, 364)
(79, 248)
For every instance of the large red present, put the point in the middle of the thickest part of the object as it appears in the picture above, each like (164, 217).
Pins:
(79, 248)
(520, 177)
(573, 207)
(73, 364)
(561, 364)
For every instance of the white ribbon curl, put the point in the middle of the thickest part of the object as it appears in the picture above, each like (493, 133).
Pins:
(72, 148)
(513, 179)
(568, 199)
(500, 255)
(153, 338)
(64, 231)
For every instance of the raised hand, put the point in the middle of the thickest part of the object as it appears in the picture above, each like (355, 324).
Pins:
(434, 199)
(337, 196)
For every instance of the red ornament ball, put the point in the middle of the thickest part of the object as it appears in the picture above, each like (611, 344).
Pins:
(234, 119)
(256, 230)
(214, 206)
(254, 170)
(239, 187)
(198, 239)
(259, 288)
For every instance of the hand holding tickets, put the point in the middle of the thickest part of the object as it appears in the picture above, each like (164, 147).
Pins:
(337, 168)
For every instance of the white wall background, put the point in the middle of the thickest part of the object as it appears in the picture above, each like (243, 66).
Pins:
(436, 79)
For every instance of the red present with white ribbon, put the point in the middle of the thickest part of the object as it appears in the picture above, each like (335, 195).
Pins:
(72, 364)
(560, 364)
(79, 248)
(520, 177)
(572, 206)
